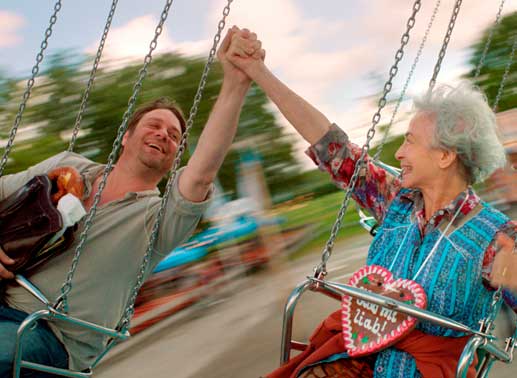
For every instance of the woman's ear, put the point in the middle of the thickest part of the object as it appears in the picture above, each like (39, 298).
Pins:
(447, 158)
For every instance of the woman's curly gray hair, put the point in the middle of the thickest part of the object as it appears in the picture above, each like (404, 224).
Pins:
(466, 124)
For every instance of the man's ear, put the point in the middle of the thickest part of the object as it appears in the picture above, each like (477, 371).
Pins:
(447, 158)
(124, 139)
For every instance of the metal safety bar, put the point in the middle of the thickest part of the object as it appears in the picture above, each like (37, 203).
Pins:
(479, 340)
(52, 314)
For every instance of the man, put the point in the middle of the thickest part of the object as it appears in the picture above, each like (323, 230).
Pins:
(434, 229)
(126, 212)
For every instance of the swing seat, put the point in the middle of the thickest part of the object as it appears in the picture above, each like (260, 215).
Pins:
(51, 314)
(490, 347)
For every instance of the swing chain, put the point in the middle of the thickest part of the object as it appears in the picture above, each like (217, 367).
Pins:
(505, 75)
(406, 84)
(481, 62)
(62, 300)
(130, 307)
(445, 44)
(86, 94)
(320, 271)
(487, 324)
(30, 84)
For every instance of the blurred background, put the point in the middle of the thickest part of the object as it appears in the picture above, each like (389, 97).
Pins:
(213, 307)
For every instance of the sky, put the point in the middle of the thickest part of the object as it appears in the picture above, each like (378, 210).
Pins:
(334, 53)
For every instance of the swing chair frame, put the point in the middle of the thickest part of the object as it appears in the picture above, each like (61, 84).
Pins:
(59, 310)
(481, 340)
(53, 314)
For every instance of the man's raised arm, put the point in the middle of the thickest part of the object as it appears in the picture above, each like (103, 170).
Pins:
(220, 129)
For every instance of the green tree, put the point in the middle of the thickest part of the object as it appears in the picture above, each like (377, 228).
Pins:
(51, 113)
(495, 63)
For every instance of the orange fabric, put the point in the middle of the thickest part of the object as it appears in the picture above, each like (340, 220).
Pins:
(436, 356)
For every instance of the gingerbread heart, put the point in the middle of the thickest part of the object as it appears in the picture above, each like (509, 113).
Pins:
(369, 328)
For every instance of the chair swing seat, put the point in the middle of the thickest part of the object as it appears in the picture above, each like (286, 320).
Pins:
(488, 347)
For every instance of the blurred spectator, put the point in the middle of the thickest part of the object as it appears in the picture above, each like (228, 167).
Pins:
(502, 184)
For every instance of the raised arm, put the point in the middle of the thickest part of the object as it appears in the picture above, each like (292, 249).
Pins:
(330, 149)
(310, 123)
(219, 131)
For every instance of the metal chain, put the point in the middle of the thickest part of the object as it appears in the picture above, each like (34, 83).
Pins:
(124, 323)
(67, 286)
(497, 299)
(505, 75)
(489, 40)
(446, 40)
(86, 94)
(30, 84)
(406, 84)
(320, 271)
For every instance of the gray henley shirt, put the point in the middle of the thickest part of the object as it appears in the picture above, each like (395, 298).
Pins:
(111, 257)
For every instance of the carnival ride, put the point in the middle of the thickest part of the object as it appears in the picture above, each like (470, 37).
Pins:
(481, 339)
(197, 269)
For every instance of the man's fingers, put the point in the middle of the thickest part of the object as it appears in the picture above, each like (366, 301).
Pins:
(5, 274)
(4, 259)
(239, 51)
(225, 44)
(243, 47)
(245, 33)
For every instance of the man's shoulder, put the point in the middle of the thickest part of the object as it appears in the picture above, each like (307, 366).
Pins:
(68, 156)
(72, 159)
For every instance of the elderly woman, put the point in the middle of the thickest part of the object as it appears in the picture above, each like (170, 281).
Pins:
(434, 229)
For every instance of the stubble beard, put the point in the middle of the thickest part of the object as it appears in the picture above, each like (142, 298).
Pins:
(159, 166)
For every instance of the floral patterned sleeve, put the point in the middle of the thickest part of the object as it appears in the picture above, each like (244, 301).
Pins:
(335, 154)
(509, 229)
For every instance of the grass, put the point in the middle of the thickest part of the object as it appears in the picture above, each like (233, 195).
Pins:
(322, 213)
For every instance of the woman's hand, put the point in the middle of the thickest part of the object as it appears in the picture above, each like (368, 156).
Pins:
(504, 270)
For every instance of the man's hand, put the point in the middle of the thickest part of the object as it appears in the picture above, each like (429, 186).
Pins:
(5, 261)
(245, 51)
(504, 270)
(220, 129)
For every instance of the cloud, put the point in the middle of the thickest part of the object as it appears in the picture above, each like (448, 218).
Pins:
(472, 19)
(10, 23)
(130, 42)
(327, 59)
(308, 52)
